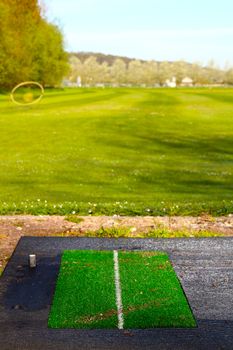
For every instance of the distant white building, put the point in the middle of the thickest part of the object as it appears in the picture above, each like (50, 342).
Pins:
(171, 83)
(67, 83)
(79, 82)
(186, 82)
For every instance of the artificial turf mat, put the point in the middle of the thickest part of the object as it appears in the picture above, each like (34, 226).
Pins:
(151, 293)
(85, 295)
(85, 291)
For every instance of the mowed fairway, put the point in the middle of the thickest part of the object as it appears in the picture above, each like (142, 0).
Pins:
(127, 151)
(111, 289)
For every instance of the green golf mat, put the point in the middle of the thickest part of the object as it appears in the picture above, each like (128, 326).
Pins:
(110, 289)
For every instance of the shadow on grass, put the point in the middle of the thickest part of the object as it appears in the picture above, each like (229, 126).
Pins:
(217, 97)
(157, 99)
(78, 102)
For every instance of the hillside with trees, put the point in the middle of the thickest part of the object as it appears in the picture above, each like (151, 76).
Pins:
(31, 48)
(96, 68)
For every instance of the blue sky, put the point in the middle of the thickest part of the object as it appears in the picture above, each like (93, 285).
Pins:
(193, 30)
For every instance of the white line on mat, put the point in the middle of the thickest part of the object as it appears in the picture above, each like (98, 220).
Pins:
(118, 290)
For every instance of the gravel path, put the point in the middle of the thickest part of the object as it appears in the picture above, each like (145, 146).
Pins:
(14, 227)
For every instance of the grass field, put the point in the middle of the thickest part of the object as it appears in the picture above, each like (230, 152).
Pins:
(145, 294)
(118, 151)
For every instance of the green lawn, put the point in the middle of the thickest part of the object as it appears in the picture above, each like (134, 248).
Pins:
(123, 151)
(151, 295)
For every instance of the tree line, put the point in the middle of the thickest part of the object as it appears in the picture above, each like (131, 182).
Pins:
(31, 48)
(94, 70)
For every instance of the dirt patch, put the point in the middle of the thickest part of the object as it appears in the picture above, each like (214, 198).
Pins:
(99, 317)
(14, 227)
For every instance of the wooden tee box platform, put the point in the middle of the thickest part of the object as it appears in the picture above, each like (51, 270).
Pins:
(204, 268)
